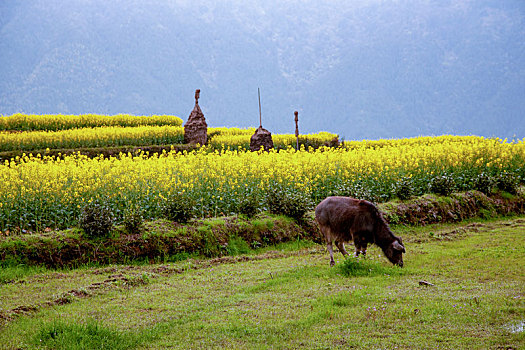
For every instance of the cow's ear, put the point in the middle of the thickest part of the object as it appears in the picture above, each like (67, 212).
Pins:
(398, 246)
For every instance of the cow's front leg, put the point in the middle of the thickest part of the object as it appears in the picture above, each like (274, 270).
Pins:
(357, 251)
(360, 245)
(363, 248)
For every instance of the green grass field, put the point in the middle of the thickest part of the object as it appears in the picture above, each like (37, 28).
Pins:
(285, 298)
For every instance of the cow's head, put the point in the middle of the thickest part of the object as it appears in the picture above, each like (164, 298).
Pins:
(394, 252)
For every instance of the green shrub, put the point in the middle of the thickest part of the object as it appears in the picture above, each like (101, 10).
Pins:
(236, 246)
(443, 185)
(508, 182)
(179, 208)
(293, 204)
(404, 188)
(249, 205)
(133, 220)
(208, 242)
(96, 220)
(484, 183)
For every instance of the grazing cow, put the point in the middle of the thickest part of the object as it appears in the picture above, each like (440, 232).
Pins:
(342, 219)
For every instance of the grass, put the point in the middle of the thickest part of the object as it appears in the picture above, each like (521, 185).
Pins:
(291, 298)
(354, 267)
(72, 336)
(15, 272)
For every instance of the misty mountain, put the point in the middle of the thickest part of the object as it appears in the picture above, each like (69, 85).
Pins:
(363, 68)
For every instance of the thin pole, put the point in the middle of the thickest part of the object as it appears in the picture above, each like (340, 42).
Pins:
(260, 115)
(296, 129)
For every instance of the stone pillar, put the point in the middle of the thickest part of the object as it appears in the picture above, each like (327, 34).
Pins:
(196, 129)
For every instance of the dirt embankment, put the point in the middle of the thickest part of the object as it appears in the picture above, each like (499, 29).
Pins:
(432, 209)
(160, 241)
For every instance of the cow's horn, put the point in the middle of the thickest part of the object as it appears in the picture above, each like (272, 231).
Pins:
(398, 246)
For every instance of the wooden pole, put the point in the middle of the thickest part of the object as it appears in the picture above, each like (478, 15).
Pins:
(297, 129)
(260, 114)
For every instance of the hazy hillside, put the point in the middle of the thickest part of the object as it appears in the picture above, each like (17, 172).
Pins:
(364, 69)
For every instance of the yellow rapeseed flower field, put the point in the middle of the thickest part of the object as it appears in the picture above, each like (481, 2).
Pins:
(235, 139)
(55, 122)
(39, 192)
(91, 137)
(141, 135)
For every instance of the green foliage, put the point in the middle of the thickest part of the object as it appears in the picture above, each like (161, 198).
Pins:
(249, 205)
(179, 208)
(92, 335)
(443, 184)
(96, 220)
(208, 243)
(404, 188)
(133, 220)
(484, 183)
(236, 246)
(508, 182)
(288, 202)
(362, 189)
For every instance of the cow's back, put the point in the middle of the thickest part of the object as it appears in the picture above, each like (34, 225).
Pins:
(339, 214)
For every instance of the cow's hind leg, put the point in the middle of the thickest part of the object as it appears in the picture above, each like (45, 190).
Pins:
(331, 251)
(328, 237)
